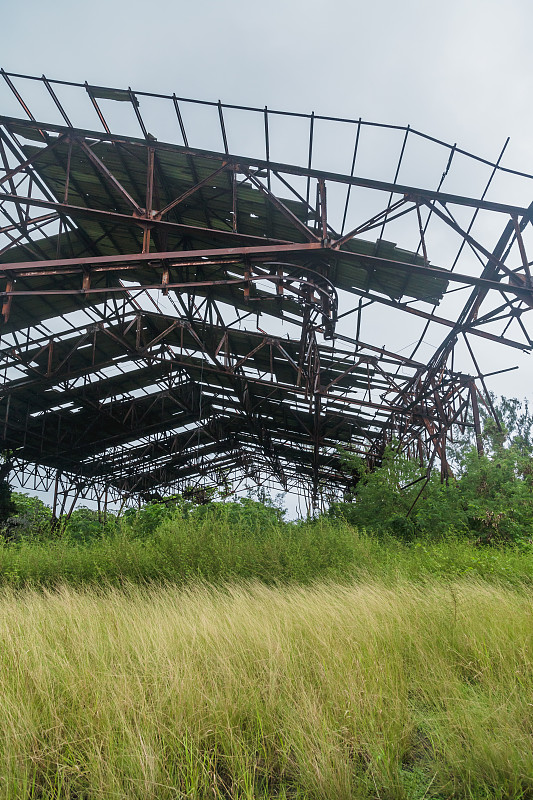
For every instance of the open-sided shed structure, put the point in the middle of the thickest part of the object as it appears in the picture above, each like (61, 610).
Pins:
(175, 315)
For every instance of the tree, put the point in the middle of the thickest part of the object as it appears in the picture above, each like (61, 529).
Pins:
(491, 499)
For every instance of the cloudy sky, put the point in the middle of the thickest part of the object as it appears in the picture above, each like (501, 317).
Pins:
(460, 69)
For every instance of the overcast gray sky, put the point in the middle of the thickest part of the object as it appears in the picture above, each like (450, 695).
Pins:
(460, 69)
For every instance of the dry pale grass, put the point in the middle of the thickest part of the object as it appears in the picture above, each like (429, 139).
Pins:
(253, 692)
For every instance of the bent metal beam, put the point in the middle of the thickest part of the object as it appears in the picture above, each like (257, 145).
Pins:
(173, 315)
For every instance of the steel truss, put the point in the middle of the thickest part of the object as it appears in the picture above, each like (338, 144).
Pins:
(134, 275)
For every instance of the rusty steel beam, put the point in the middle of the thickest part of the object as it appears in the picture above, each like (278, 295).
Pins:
(289, 169)
(287, 403)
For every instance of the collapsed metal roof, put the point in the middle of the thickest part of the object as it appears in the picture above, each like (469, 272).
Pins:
(174, 315)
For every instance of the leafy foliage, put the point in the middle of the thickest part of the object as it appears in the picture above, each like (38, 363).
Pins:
(491, 499)
(86, 524)
(30, 519)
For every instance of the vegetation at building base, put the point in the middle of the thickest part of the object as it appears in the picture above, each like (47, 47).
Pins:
(208, 648)
(399, 524)
(489, 501)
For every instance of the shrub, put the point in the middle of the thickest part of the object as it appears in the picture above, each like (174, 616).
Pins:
(30, 519)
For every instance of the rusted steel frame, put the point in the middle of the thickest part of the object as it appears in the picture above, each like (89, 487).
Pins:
(19, 98)
(422, 237)
(482, 379)
(51, 372)
(277, 112)
(372, 222)
(56, 101)
(158, 475)
(396, 174)
(174, 256)
(189, 192)
(520, 280)
(111, 217)
(310, 153)
(44, 189)
(524, 331)
(385, 355)
(65, 199)
(496, 262)
(497, 315)
(266, 340)
(22, 217)
(35, 224)
(361, 360)
(475, 415)
(117, 462)
(29, 245)
(434, 272)
(245, 163)
(445, 425)
(34, 176)
(85, 290)
(137, 351)
(105, 184)
(222, 127)
(352, 170)
(505, 311)
(180, 120)
(387, 377)
(522, 249)
(242, 392)
(437, 272)
(311, 212)
(440, 320)
(83, 448)
(263, 382)
(101, 167)
(97, 108)
(267, 143)
(470, 310)
(476, 212)
(155, 478)
(418, 394)
(316, 440)
(277, 203)
(190, 161)
(234, 201)
(160, 336)
(31, 161)
(149, 197)
(140, 188)
(426, 224)
(323, 210)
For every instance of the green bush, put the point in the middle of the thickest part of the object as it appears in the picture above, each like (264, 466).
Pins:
(86, 524)
(491, 500)
(31, 519)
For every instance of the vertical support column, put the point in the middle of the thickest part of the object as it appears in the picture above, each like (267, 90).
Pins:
(475, 415)
(323, 209)
(149, 198)
(54, 506)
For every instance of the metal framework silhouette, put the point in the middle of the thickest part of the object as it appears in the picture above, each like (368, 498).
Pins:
(146, 290)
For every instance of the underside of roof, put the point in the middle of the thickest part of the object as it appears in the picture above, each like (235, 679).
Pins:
(171, 315)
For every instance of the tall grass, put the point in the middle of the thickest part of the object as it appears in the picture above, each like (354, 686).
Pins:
(326, 691)
(217, 550)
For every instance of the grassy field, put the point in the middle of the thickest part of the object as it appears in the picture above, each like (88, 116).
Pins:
(378, 690)
(220, 550)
